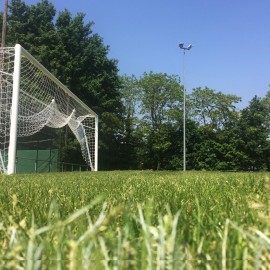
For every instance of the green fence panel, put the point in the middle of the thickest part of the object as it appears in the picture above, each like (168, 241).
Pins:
(32, 161)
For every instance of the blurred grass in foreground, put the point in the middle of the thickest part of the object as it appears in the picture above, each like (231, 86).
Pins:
(135, 220)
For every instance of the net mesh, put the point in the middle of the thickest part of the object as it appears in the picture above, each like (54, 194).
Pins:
(43, 101)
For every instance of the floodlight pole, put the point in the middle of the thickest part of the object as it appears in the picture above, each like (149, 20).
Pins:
(181, 45)
(4, 27)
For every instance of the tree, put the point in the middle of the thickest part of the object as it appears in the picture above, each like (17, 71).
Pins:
(68, 48)
(131, 140)
(161, 96)
(213, 108)
(94, 78)
(216, 149)
(266, 104)
(254, 134)
(217, 117)
(32, 27)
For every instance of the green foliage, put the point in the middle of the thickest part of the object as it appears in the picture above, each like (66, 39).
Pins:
(160, 95)
(156, 98)
(130, 97)
(135, 220)
(218, 135)
(213, 108)
(70, 153)
(254, 130)
(68, 48)
(32, 27)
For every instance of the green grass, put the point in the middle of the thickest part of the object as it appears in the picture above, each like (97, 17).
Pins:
(135, 220)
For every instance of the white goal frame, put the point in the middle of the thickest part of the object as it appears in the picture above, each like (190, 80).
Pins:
(80, 111)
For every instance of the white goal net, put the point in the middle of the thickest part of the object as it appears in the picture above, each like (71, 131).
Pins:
(31, 98)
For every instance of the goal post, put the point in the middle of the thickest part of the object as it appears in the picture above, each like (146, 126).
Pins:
(14, 111)
(31, 98)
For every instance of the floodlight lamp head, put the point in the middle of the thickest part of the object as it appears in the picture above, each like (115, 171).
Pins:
(181, 45)
(189, 46)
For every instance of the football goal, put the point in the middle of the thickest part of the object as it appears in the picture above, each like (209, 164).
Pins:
(33, 101)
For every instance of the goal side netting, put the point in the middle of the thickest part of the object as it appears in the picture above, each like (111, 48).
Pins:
(31, 98)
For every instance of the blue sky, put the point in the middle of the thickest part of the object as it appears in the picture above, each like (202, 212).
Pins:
(231, 41)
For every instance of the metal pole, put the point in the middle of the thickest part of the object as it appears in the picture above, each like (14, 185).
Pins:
(4, 26)
(181, 45)
(184, 114)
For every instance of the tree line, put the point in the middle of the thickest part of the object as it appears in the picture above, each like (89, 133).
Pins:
(219, 136)
(141, 119)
